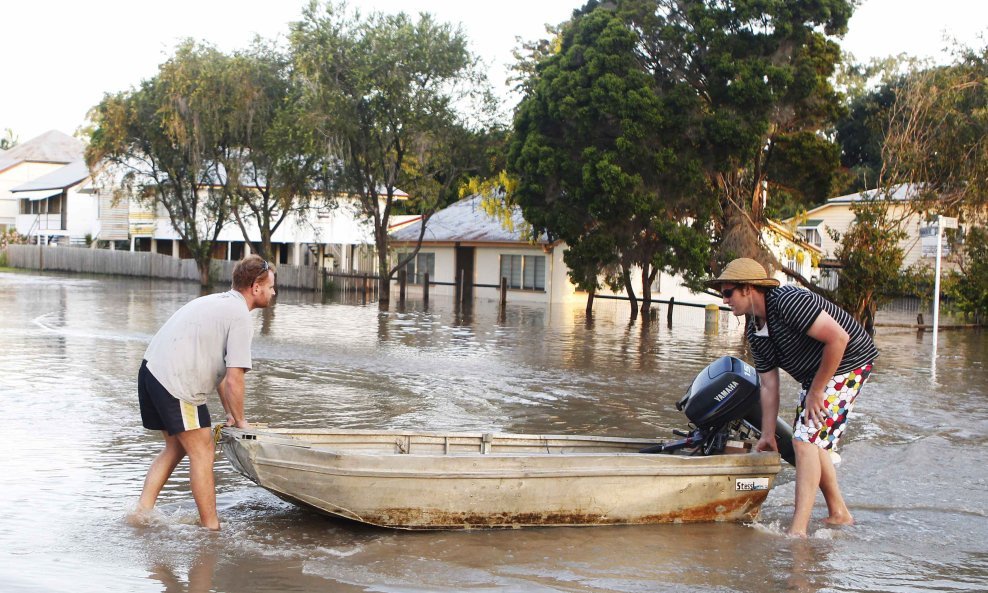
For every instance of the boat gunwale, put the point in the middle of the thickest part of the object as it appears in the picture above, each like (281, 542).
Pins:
(286, 435)
(610, 463)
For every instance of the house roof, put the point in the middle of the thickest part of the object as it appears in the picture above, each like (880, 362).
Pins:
(899, 193)
(464, 221)
(51, 147)
(796, 238)
(903, 191)
(60, 178)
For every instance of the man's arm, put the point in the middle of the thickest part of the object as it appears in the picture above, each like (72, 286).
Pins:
(769, 393)
(231, 390)
(825, 329)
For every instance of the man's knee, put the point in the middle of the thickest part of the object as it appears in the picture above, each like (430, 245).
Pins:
(197, 442)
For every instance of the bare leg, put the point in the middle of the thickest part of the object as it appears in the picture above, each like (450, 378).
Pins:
(198, 444)
(807, 481)
(837, 509)
(161, 469)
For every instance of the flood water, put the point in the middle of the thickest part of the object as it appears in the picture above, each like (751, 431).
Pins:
(74, 452)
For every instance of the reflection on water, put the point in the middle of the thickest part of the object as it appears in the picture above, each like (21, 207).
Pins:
(75, 454)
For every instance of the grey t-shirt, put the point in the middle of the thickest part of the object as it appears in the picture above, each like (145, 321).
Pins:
(191, 352)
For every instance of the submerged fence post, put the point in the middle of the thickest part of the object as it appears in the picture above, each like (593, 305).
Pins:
(711, 316)
(425, 288)
(504, 296)
(402, 280)
(672, 303)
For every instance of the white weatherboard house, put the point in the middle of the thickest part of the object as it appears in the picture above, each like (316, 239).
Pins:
(464, 239)
(28, 161)
(64, 207)
(336, 237)
(836, 214)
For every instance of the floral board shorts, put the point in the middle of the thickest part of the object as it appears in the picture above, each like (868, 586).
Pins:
(841, 391)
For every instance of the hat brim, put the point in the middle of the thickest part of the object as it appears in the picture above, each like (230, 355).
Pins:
(715, 282)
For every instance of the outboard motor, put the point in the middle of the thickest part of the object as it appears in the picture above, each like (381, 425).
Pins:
(724, 391)
(726, 394)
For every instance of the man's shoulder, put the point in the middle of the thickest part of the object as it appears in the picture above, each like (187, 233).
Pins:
(790, 292)
(230, 302)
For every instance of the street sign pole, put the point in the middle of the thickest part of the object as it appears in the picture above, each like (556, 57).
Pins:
(942, 223)
(936, 286)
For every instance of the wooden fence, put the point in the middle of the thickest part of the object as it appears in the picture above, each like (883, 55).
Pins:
(143, 264)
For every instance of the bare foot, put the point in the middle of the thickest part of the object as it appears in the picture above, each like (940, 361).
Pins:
(841, 519)
(139, 517)
(796, 534)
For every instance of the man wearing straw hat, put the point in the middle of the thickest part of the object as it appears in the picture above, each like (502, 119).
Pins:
(821, 346)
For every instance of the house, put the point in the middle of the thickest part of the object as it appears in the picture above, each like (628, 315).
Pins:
(464, 239)
(837, 215)
(64, 206)
(336, 237)
(28, 161)
(794, 251)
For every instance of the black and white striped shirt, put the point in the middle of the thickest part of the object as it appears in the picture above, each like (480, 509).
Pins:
(790, 311)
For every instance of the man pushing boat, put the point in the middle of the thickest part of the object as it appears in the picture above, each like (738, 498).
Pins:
(204, 346)
(821, 346)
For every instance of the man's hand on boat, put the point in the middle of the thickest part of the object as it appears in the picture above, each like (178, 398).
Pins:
(766, 443)
(242, 423)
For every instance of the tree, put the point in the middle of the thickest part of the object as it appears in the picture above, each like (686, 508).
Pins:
(157, 140)
(753, 80)
(925, 129)
(8, 140)
(385, 94)
(601, 162)
(871, 259)
(268, 159)
(967, 287)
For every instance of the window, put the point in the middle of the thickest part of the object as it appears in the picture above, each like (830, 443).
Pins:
(419, 266)
(525, 272)
(812, 236)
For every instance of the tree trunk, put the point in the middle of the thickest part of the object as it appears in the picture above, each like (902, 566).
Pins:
(266, 249)
(630, 289)
(384, 278)
(203, 265)
(648, 276)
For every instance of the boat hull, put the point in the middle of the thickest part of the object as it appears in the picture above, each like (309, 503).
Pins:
(415, 480)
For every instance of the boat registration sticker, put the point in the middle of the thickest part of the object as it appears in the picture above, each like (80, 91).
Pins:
(749, 484)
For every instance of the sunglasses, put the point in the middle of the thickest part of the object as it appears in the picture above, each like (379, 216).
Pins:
(264, 270)
(728, 292)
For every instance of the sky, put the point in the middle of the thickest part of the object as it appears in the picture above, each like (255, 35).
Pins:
(61, 56)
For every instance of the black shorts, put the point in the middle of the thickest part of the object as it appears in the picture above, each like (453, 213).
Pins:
(160, 410)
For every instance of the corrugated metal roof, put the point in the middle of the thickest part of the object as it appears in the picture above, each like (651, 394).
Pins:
(61, 178)
(903, 191)
(51, 147)
(464, 221)
(41, 194)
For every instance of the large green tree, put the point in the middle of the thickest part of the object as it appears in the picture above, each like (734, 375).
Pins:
(753, 82)
(387, 95)
(603, 162)
(156, 140)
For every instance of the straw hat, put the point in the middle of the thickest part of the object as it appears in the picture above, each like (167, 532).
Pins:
(743, 271)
